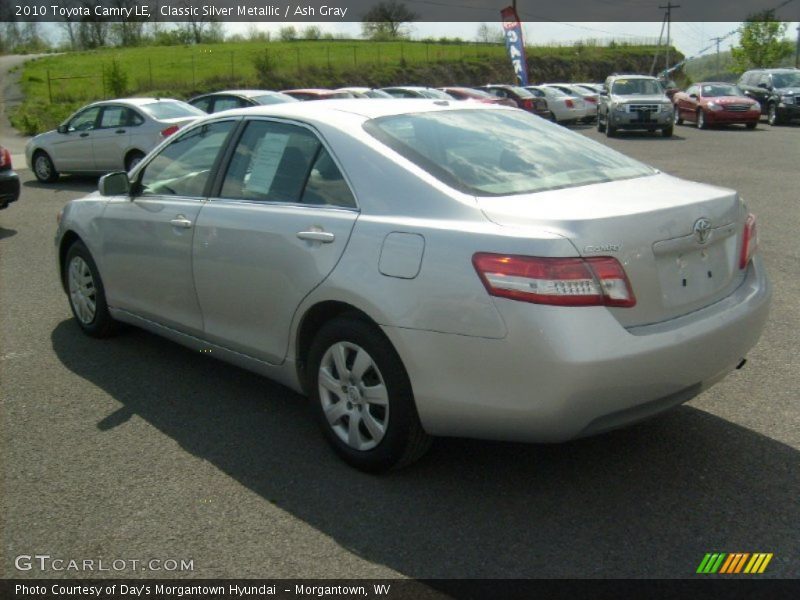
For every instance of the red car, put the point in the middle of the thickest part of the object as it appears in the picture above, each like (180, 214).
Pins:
(462, 93)
(712, 103)
(9, 181)
(317, 94)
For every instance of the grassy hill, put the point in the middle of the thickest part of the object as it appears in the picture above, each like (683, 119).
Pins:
(56, 85)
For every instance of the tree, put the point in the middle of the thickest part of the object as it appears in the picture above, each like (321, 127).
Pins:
(489, 35)
(762, 42)
(287, 34)
(387, 21)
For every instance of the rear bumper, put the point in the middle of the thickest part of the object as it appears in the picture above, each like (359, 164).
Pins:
(9, 188)
(563, 373)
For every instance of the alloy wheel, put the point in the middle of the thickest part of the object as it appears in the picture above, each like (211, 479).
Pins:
(82, 290)
(354, 396)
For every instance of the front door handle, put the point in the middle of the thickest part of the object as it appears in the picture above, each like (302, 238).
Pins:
(120, 131)
(84, 135)
(326, 237)
(181, 221)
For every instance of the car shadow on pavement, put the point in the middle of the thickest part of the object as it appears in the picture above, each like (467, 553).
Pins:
(72, 183)
(7, 233)
(646, 501)
(647, 135)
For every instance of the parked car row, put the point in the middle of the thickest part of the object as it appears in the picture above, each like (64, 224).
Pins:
(117, 134)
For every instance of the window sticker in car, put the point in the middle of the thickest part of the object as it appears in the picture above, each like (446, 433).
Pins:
(266, 158)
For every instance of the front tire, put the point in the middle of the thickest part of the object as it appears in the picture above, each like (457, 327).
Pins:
(772, 115)
(611, 131)
(600, 126)
(752, 125)
(363, 398)
(701, 120)
(678, 118)
(667, 131)
(87, 297)
(43, 167)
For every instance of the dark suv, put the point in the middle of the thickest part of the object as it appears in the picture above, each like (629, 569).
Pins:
(777, 90)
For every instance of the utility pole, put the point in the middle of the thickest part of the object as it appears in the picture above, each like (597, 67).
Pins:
(668, 8)
(718, 40)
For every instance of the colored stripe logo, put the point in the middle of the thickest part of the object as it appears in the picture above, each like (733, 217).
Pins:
(733, 563)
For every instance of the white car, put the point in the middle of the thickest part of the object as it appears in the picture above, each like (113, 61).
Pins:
(107, 136)
(589, 97)
(565, 109)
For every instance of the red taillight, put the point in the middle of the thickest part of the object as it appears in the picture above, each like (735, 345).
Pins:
(527, 103)
(596, 281)
(749, 241)
(569, 103)
(5, 159)
(591, 99)
(169, 130)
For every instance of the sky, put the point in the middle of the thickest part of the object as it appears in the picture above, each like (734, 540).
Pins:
(689, 37)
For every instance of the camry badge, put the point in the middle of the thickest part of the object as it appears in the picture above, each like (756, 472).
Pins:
(702, 230)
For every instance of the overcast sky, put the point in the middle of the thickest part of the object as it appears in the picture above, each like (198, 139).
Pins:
(689, 38)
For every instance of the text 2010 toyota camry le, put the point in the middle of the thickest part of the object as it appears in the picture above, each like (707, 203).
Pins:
(419, 268)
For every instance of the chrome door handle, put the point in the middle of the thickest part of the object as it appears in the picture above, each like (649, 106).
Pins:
(181, 221)
(325, 237)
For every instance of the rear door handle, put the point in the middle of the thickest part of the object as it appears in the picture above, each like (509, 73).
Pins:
(326, 237)
(181, 221)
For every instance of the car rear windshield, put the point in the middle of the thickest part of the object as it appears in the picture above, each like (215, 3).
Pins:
(274, 99)
(501, 152)
(171, 110)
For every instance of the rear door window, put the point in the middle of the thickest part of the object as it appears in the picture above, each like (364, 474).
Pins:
(279, 162)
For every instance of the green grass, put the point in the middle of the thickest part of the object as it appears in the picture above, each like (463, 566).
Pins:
(54, 85)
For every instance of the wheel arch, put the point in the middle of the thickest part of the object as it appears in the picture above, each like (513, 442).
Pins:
(312, 321)
(67, 240)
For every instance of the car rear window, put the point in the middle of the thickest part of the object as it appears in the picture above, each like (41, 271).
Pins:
(274, 99)
(171, 109)
(501, 152)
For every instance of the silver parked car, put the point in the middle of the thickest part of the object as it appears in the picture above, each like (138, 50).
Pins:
(634, 102)
(423, 268)
(229, 99)
(107, 136)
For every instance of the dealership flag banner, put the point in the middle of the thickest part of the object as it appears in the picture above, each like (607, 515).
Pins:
(512, 29)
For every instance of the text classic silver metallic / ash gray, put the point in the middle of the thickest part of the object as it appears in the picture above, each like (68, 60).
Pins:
(422, 268)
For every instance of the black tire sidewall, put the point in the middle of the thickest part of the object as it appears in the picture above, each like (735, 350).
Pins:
(403, 418)
(103, 324)
(53, 172)
(131, 157)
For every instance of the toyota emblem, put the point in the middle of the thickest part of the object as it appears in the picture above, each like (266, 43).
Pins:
(702, 230)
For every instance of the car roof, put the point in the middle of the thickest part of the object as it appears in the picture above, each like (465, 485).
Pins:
(309, 91)
(245, 93)
(332, 110)
(624, 76)
(134, 101)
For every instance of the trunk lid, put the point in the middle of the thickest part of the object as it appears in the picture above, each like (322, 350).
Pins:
(678, 241)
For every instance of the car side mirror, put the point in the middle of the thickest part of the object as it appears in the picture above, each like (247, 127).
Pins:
(604, 92)
(62, 128)
(763, 86)
(693, 96)
(114, 184)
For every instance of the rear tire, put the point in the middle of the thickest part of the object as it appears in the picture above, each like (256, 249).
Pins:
(43, 167)
(87, 296)
(363, 398)
(600, 126)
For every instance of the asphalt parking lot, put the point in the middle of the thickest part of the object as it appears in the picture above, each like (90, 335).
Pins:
(135, 448)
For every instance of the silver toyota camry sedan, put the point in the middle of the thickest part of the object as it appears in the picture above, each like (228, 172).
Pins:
(422, 268)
